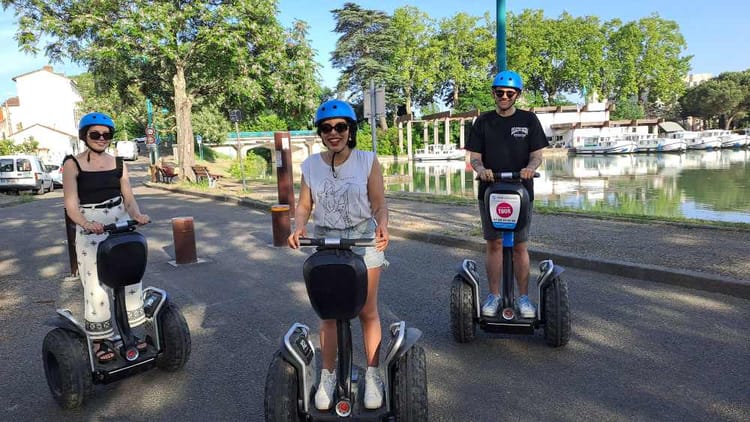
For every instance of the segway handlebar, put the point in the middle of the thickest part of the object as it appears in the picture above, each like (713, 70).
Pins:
(121, 226)
(508, 175)
(335, 242)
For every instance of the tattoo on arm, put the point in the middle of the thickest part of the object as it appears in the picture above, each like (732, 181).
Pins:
(535, 160)
(476, 164)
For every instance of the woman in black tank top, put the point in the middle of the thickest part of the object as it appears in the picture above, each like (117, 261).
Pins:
(97, 192)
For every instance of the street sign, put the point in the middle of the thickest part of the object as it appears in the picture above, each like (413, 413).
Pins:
(150, 131)
(150, 135)
(198, 139)
(235, 116)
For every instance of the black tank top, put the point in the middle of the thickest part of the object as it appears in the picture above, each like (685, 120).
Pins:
(98, 186)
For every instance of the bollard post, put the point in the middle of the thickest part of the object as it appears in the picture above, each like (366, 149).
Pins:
(70, 232)
(282, 144)
(184, 240)
(281, 224)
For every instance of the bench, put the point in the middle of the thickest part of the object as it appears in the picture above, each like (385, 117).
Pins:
(166, 174)
(202, 173)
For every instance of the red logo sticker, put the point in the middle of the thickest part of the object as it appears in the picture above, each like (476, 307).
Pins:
(504, 210)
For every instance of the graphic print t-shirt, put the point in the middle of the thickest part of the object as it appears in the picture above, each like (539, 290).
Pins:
(339, 201)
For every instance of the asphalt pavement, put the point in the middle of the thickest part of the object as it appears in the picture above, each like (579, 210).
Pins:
(640, 350)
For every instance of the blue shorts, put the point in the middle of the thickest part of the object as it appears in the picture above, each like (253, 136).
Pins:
(364, 230)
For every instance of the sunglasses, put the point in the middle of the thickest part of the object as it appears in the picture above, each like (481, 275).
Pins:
(95, 136)
(339, 127)
(501, 93)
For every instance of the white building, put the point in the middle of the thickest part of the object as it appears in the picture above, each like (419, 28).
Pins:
(44, 110)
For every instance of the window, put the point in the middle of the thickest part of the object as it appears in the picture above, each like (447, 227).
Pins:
(23, 164)
(6, 165)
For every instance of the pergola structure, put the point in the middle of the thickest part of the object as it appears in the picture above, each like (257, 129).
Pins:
(434, 120)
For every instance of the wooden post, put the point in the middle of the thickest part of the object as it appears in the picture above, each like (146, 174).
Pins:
(408, 140)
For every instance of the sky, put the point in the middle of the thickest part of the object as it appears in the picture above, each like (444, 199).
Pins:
(713, 30)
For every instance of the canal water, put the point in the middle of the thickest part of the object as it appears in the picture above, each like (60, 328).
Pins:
(707, 185)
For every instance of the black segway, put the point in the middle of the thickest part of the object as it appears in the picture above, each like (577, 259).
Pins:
(336, 281)
(70, 363)
(507, 202)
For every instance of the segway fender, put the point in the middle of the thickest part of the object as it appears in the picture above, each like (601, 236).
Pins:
(548, 271)
(468, 272)
(64, 319)
(298, 350)
(402, 339)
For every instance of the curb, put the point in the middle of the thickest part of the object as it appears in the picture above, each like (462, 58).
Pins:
(654, 273)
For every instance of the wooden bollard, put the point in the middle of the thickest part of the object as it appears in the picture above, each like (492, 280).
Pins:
(184, 240)
(281, 224)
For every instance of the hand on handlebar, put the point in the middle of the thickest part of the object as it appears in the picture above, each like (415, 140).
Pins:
(293, 239)
(93, 227)
(486, 175)
(528, 173)
(141, 219)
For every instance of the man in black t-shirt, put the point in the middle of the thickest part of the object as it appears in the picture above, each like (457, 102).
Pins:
(503, 140)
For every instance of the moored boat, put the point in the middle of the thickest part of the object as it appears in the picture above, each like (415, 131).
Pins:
(439, 152)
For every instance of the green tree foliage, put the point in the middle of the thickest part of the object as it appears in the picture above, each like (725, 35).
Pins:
(627, 110)
(7, 147)
(726, 97)
(177, 52)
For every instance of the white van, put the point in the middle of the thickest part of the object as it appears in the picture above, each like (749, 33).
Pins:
(24, 172)
(128, 150)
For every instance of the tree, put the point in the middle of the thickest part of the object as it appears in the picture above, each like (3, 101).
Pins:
(175, 52)
(363, 50)
(726, 97)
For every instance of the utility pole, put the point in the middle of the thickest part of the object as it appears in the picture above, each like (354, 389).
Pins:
(501, 61)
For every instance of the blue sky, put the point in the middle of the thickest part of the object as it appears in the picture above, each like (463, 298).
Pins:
(713, 29)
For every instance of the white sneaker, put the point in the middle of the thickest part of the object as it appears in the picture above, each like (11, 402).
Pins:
(324, 395)
(526, 307)
(489, 308)
(373, 388)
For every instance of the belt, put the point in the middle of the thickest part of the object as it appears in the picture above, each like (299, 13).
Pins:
(108, 204)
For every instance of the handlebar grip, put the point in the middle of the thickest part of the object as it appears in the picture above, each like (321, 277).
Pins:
(335, 242)
(508, 175)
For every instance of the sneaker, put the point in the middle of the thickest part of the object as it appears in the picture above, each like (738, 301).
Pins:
(324, 395)
(489, 308)
(373, 388)
(526, 307)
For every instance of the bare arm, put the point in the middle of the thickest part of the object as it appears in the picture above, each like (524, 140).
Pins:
(301, 215)
(376, 194)
(475, 159)
(535, 160)
(131, 206)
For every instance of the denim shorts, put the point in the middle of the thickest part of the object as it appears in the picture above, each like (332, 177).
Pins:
(490, 233)
(364, 230)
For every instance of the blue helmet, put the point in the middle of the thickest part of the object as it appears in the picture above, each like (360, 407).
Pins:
(508, 79)
(334, 108)
(95, 118)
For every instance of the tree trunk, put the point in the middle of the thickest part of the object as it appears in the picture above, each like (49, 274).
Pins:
(183, 107)
(455, 97)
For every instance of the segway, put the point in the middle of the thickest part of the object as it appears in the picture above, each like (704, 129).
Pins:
(70, 364)
(336, 282)
(507, 203)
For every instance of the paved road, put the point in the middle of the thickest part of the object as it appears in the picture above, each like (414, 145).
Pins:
(640, 351)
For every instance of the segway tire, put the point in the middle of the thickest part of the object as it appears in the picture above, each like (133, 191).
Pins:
(175, 338)
(410, 386)
(67, 367)
(463, 326)
(556, 313)
(281, 395)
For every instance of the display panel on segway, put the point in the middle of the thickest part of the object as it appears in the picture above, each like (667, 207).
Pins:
(122, 259)
(336, 282)
(507, 205)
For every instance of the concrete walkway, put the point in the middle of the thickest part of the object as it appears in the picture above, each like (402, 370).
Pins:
(694, 256)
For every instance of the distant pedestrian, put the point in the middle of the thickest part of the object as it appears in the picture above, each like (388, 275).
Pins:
(506, 140)
(343, 189)
(97, 192)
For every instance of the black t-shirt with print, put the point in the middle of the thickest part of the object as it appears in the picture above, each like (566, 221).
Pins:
(506, 142)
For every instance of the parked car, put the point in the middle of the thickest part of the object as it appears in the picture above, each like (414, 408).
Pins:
(128, 150)
(56, 173)
(24, 172)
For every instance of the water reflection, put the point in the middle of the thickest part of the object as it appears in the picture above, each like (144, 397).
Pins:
(713, 185)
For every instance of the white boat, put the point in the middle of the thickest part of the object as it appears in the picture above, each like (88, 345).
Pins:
(439, 152)
(603, 144)
(708, 139)
(734, 140)
(644, 142)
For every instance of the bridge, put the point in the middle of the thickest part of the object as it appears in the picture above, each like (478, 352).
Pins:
(303, 143)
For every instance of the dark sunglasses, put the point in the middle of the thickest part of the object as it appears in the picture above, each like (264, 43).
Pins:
(95, 136)
(340, 128)
(500, 93)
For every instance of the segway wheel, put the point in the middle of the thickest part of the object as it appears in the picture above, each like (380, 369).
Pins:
(281, 401)
(556, 313)
(67, 367)
(175, 338)
(410, 386)
(463, 326)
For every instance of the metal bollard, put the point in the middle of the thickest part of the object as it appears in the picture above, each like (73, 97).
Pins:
(184, 240)
(280, 221)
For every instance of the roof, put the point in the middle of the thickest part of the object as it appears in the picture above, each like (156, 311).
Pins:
(670, 127)
(45, 127)
(43, 69)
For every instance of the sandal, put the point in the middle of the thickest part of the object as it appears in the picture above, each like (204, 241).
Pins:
(104, 354)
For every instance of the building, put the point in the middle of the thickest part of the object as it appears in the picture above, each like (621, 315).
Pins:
(44, 110)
